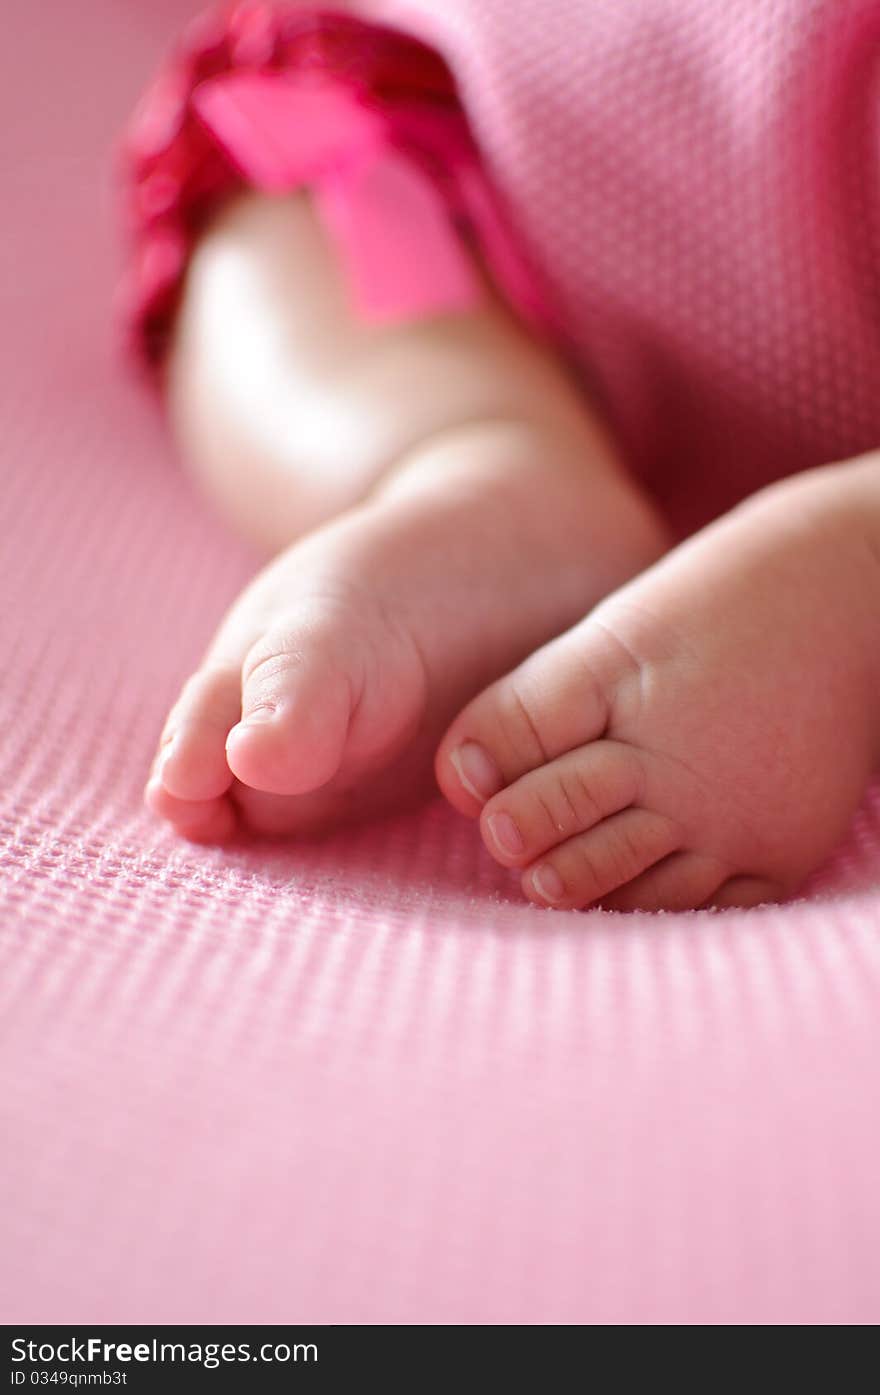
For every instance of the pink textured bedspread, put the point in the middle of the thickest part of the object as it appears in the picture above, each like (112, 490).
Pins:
(356, 1080)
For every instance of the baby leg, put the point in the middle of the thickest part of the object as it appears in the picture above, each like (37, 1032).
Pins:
(289, 409)
(441, 501)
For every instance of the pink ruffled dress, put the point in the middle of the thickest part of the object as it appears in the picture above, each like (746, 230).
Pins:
(364, 116)
(685, 194)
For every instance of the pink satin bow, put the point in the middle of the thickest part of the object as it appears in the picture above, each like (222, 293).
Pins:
(402, 255)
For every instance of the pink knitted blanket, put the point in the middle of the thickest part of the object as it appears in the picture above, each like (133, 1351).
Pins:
(358, 1080)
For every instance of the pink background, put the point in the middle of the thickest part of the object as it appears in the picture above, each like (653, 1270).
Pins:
(358, 1080)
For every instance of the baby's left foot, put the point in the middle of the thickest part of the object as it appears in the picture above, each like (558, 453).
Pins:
(706, 734)
(334, 673)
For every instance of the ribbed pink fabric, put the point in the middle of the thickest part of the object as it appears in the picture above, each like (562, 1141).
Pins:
(359, 1080)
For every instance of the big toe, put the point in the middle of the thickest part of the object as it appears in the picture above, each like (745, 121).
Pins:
(297, 701)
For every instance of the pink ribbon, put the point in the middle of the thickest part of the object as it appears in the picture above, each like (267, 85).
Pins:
(402, 256)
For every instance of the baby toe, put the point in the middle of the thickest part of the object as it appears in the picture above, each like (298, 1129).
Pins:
(743, 893)
(199, 820)
(297, 701)
(557, 700)
(563, 798)
(682, 882)
(191, 762)
(589, 865)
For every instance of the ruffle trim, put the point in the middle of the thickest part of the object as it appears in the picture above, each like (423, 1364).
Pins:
(177, 169)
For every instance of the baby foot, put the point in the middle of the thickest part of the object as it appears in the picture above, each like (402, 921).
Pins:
(292, 699)
(330, 680)
(705, 735)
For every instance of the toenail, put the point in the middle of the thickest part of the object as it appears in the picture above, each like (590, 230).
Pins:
(258, 715)
(505, 834)
(548, 883)
(165, 754)
(476, 770)
(153, 790)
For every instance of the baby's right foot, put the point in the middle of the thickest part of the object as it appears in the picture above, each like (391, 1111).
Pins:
(358, 644)
(705, 735)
